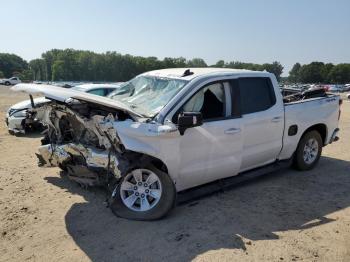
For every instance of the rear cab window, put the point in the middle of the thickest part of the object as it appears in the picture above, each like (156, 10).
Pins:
(256, 94)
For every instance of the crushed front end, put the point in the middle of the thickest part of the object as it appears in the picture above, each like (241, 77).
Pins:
(81, 139)
(85, 165)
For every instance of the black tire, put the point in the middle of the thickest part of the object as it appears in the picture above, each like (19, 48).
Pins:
(7, 83)
(299, 161)
(162, 208)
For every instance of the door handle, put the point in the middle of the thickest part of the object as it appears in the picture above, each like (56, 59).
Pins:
(232, 131)
(276, 119)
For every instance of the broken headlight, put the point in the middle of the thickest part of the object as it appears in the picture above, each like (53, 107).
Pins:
(19, 113)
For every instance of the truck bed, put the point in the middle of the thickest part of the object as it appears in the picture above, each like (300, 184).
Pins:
(294, 95)
(306, 111)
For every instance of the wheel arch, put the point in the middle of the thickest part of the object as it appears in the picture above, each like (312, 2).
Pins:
(144, 159)
(320, 128)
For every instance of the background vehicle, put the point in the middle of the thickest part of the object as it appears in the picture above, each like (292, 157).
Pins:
(335, 88)
(19, 120)
(10, 81)
(170, 130)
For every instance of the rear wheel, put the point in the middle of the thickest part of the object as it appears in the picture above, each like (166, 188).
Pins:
(7, 83)
(309, 151)
(144, 194)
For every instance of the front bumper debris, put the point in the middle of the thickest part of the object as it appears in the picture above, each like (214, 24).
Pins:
(85, 165)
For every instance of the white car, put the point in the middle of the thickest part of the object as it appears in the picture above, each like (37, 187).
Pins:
(10, 81)
(347, 88)
(19, 120)
(167, 131)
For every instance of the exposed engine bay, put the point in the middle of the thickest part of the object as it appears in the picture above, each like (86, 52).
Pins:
(81, 139)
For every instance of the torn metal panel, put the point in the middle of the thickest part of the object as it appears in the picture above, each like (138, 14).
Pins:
(83, 175)
(64, 155)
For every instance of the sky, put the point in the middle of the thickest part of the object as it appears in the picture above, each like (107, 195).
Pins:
(257, 31)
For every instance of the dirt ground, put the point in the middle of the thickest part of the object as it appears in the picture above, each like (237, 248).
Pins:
(286, 216)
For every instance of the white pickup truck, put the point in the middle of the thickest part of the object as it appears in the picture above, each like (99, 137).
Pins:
(170, 130)
(10, 81)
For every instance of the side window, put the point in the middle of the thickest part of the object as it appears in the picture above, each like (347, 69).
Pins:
(109, 90)
(210, 101)
(256, 94)
(99, 92)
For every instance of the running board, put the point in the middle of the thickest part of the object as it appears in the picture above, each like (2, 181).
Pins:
(227, 183)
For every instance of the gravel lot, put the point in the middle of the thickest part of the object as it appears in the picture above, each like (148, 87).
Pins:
(286, 216)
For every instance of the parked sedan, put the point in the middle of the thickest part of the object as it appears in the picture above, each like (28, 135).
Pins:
(18, 120)
(10, 81)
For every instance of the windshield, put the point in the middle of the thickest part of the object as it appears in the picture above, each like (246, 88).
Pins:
(147, 95)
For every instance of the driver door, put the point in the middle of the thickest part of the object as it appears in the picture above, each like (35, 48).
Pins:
(213, 150)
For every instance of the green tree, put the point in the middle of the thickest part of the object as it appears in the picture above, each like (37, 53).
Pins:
(275, 68)
(38, 69)
(220, 63)
(58, 71)
(196, 62)
(50, 57)
(10, 63)
(169, 62)
(294, 74)
(26, 75)
(340, 74)
(312, 73)
(241, 65)
(325, 72)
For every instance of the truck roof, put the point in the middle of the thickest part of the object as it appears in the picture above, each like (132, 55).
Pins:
(197, 72)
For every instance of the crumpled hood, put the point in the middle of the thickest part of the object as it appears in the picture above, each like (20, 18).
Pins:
(62, 94)
(27, 104)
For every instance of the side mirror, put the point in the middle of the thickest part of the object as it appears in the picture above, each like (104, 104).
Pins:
(189, 119)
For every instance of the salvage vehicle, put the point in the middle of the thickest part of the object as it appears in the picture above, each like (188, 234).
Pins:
(167, 131)
(19, 120)
(10, 81)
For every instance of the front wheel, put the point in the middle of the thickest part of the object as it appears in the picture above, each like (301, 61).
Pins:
(308, 151)
(7, 83)
(144, 194)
